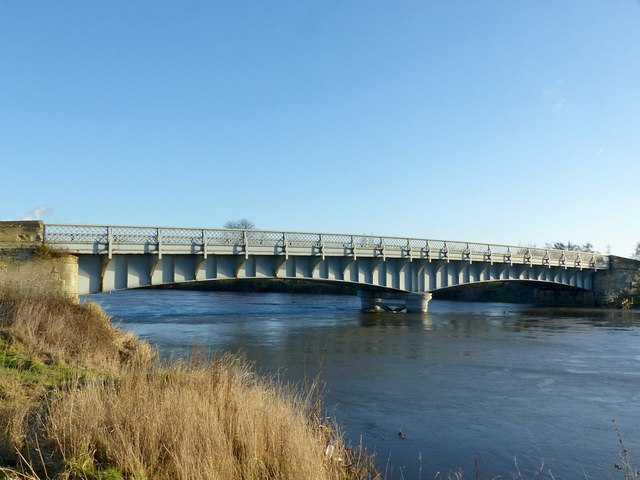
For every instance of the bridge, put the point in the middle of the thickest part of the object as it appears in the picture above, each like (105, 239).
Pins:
(387, 270)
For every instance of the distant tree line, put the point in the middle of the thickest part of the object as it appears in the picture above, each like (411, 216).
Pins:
(572, 247)
(587, 247)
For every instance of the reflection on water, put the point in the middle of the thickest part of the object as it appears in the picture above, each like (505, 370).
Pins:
(465, 381)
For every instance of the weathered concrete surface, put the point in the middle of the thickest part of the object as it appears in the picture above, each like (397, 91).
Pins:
(25, 261)
(27, 233)
(617, 278)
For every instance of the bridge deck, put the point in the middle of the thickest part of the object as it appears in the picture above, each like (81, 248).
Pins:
(110, 240)
(120, 257)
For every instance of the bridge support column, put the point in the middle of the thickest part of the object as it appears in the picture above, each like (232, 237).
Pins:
(371, 302)
(417, 302)
(375, 302)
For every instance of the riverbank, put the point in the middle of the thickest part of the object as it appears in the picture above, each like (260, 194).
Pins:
(82, 399)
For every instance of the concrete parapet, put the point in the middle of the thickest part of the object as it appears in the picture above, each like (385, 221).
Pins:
(19, 234)
(25, 261)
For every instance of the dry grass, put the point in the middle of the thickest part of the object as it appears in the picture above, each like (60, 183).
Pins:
(47, 341)
(191, 421)
(45, 252)
(56, 329)
(82, 400)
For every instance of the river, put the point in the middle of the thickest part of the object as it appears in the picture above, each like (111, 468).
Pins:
(487, 388)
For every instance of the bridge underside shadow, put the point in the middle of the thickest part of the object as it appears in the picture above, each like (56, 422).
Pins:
(519, 291)
(268, 285)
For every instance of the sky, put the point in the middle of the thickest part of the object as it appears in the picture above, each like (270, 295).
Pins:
(501, 121)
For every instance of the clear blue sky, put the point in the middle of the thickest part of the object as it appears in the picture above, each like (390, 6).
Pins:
(495, 121)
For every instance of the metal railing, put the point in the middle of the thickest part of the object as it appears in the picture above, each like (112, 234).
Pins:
(128, 239)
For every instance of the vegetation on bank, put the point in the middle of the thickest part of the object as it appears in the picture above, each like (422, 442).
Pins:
(80, 399)
(45, 252)
(628, 297)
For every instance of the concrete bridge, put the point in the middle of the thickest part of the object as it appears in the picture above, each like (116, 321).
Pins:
(390, 272)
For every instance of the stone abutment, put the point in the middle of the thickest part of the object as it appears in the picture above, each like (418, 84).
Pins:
(26, 261)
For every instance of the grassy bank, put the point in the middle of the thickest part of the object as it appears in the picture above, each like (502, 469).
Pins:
(80, 399)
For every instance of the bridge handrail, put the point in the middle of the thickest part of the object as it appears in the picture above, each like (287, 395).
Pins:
(69, 235)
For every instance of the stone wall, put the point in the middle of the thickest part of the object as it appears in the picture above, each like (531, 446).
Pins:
(26, 233)
(614, 280)
(24, 260)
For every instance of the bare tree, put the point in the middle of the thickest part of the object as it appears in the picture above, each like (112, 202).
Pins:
(636, 254)
(242, 224)
(587, 247)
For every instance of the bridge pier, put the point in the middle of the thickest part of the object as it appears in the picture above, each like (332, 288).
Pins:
(417, 302)
(378, 301)
(372, 302)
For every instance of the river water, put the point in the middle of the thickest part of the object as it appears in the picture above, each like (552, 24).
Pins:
(472, 386)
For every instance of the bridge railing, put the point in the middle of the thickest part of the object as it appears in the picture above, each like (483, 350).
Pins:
(97, 239)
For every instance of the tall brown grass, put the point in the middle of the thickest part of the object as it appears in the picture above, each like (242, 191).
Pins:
(55, 328)
(196, 420)
(122, 415)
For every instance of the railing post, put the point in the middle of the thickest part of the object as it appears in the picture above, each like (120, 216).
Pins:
(284, 246)
(159, 240)
(246, 244)
(444, 252)
(204, 243)
(109, 242)
(427, 250)
(488, 254)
